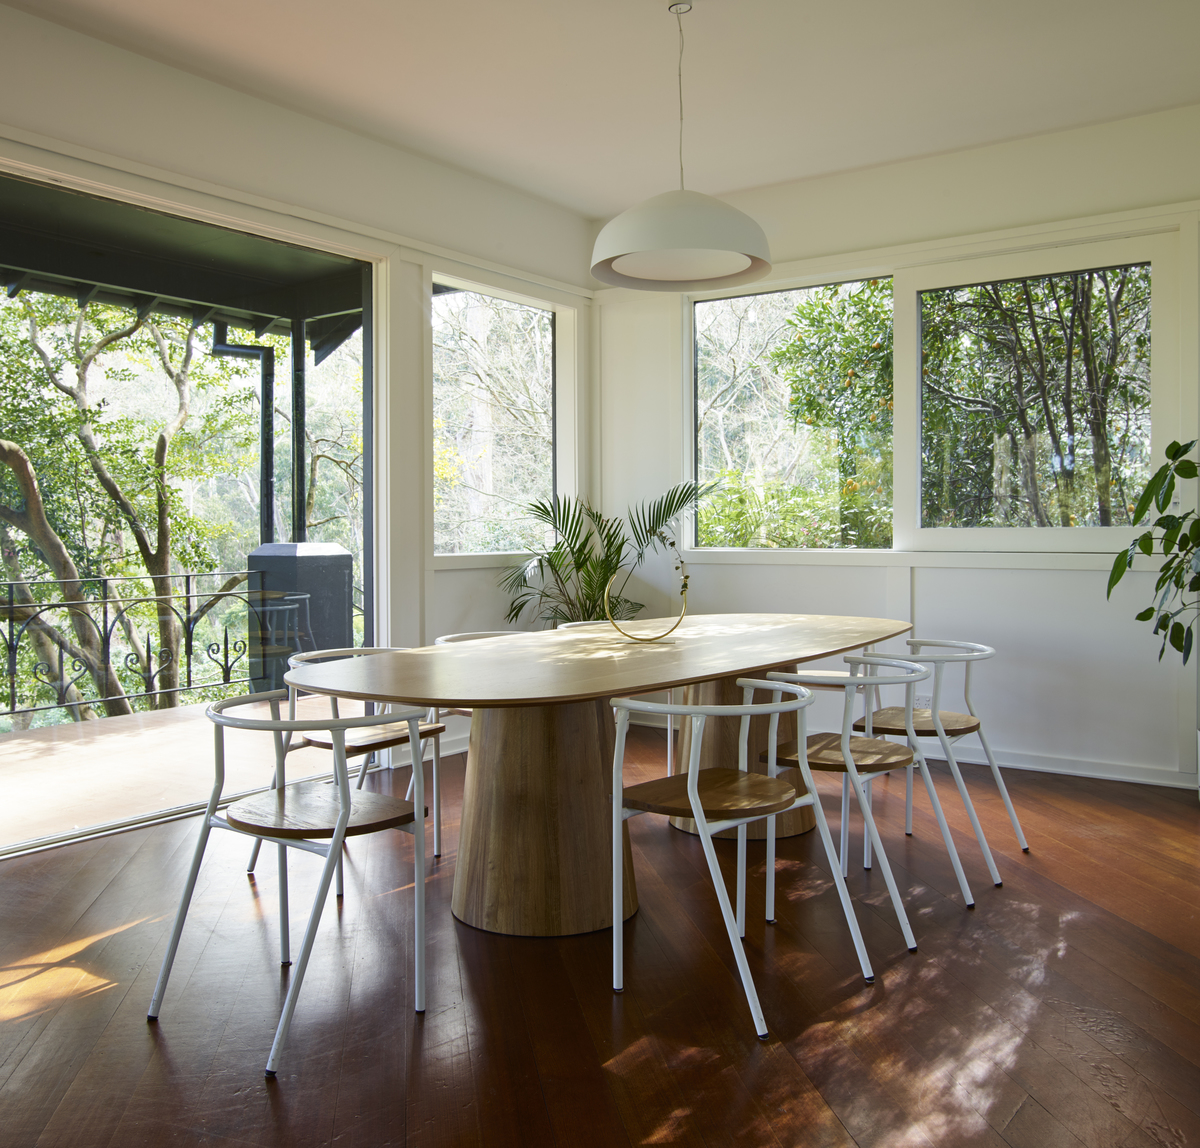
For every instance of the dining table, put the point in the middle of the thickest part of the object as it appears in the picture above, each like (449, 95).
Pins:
(534, 842)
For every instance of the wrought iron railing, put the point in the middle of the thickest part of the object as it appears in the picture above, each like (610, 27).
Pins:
(97, 644)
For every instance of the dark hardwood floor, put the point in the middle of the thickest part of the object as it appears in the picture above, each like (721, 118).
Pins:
(1064, 1010)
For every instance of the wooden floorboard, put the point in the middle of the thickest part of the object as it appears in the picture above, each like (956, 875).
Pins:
(1063, 1010)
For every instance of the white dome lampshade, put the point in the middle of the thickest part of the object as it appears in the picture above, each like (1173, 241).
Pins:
(680, 241)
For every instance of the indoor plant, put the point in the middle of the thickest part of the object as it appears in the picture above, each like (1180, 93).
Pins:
(1178, 541)
(565, 581)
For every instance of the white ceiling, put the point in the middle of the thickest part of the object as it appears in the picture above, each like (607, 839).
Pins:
(576, 101)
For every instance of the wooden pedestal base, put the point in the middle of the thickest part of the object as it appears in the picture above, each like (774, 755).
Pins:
(720, 748)
(534, 858)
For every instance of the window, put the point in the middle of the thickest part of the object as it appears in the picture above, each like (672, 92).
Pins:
(493, 410)
(1035, 400)
(793, 413)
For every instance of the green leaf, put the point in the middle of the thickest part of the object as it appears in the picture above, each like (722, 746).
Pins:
(1177, 630)
(1174, 450)
(1185, 468)
(1145, 543)
(1147, 495)
(1144, 615)
(1162, 497)
(1122, 563)
(1187, 645)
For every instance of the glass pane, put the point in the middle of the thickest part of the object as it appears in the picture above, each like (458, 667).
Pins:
(1035, 400)
(794, 417)
(493, 420)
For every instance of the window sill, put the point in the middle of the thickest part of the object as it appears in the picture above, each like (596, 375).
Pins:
(962, 559)
(476, 561)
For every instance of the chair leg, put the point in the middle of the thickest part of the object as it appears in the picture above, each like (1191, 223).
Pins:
(437, 795)
(310, 935)
(741, 880)
(770, 891)
(618, 857)
(731, 927)
(419, 906)
(1012, 813)
(908, 790)
(884, 865)
(951, 850)
(866, 836)
(185, 901)
(840, 882)
(254, 855)
(844, 833)
(971, 814)
(285, 939)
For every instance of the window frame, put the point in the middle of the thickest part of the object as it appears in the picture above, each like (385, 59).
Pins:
(935, 266)
(1159, 250)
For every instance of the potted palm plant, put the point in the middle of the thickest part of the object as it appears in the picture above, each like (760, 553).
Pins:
(566, 580)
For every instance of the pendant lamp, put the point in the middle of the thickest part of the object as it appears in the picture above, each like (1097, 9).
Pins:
(680, 240)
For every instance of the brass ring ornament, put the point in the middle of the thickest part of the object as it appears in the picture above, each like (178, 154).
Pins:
(634, 637)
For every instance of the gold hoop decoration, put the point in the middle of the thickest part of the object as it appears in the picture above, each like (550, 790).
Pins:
(633, 637)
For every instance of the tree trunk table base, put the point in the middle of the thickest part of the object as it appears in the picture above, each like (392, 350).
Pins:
(720, 748)
(534, 853)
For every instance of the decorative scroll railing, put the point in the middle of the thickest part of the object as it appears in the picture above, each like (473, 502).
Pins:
(95, 646)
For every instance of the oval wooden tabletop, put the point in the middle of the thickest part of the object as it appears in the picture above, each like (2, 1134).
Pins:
(547, 667)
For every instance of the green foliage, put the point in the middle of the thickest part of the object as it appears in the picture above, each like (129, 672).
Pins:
(794, 415)
(1035, 399)
(1179, 544)
(566, 581)
(493, 398)
(838, 365)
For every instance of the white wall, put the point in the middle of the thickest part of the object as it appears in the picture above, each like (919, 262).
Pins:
(1075, 686)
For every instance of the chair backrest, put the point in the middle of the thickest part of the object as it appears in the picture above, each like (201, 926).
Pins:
(283, 729)
(345, 652)
(940, 653)
(866, 673)
(473, 636)
(698, 713)
(309, 657)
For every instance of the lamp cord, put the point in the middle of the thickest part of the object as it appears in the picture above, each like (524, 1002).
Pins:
(679, 20)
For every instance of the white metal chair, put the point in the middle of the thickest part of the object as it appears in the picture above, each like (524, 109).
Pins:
(310, 815)
(372, 741)
(730, 798)
(862, 759)
(949, 727)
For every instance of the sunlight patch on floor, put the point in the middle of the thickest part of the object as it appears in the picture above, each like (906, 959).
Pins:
(33, 984)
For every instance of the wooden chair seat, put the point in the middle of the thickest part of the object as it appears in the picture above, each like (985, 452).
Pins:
(310, 809)
(724, 793)
(373, 738)
(891, 721)
(871, 754)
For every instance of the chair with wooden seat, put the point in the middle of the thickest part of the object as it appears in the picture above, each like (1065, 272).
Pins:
(367, 743)
(314, 816)
(718, 799)
(862, 759)
(949, 727)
